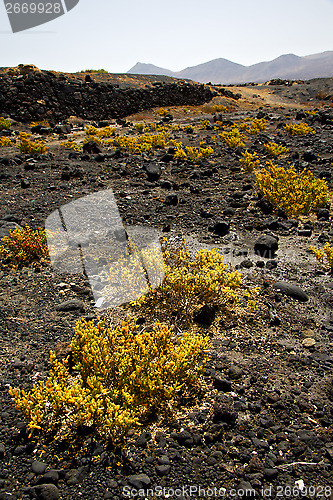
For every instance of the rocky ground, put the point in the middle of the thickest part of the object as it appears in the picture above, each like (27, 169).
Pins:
(264, 429)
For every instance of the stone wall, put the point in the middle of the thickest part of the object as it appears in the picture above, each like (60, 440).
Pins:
(45, 95)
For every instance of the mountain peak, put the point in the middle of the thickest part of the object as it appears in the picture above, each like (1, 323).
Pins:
(286, 66)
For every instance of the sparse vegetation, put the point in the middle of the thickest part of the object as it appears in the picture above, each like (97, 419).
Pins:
(250, 161)
(324, 256)
(275, 149)
(299, 129)
(26, 145)
(4, 124)
(297, 193)
(122, 373)
(24, 246)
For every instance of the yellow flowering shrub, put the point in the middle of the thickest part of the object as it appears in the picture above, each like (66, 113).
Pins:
(71, 144)
(297, 193)
(193, 282)
(325, 255)
(28, 146)
(299, 129)
(255, 127)
(4, 124)
(250, 161)
(233, 137)
(275, 150)
(43, 123)
(5, 141)
(122, 372)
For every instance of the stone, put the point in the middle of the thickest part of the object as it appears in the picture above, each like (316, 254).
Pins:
(222, 384)
(46, 492)
(91, 147)
(163, 470)
(38, 467)
(291, 290)
(153, 171)
(221, 227)
(205, 315)
(171, 200)
(139, 481)
(70, 305)
(309, 342)
(266, 246)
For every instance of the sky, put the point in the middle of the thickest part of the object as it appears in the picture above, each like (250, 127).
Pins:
(116, 34)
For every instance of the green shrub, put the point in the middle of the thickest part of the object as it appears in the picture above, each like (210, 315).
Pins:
(122, 373)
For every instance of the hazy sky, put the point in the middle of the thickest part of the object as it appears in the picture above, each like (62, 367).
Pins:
(174, 34)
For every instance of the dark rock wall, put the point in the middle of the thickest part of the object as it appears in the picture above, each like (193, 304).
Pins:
(44, 95)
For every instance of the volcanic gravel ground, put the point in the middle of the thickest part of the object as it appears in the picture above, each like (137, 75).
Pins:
(266, 420)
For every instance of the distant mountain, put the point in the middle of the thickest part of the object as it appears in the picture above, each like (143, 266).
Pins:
(288, 66)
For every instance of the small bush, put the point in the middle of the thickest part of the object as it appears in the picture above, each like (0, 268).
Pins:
(43, 123)
(31, 147)
(233, 138)
(145, 142)
(324, 256)
(250, 161)
(4, 124)
(71, 144)
(189, 153)
(123, 372)
(24, 246)
(5, 141)
(162, 111)
(297, 193)
(299, 129)
(139, 126)
(205, 124)
(275, 150)
(256, 126)
(193, 282)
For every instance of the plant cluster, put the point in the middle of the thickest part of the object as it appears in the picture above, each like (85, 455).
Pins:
(255, 127)
(324, 256)
(71, 144)
(297, 193)
(298, 129)
(5, 141)
(189, 153)
(43, 123)
(101, 133)
(193, 282)
(143, 143)
(250, 161)
(94, 71)
(233, 138)
(205, 124)
(4, 124)
(122, 373)
(162, 111)
(275, 149)
(24, 246)
(27, 146)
